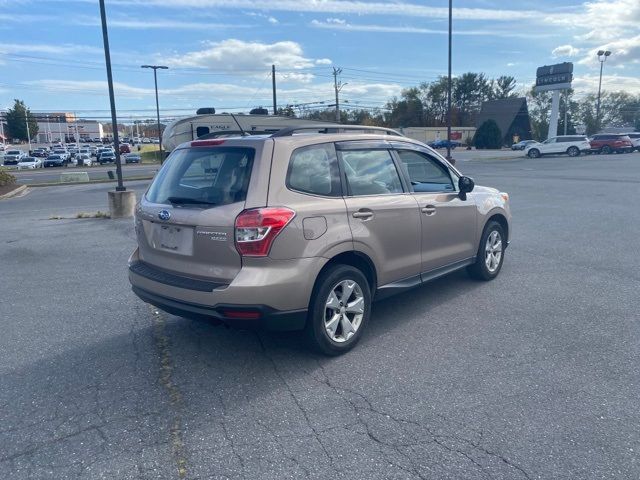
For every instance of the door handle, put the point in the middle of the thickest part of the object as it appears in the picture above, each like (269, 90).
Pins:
(363, 214)
(429, 209)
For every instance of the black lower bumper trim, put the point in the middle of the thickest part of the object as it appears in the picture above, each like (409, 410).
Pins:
(269, 318)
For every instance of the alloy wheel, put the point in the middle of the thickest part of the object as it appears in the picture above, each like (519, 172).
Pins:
(493, 251)
(344, 310)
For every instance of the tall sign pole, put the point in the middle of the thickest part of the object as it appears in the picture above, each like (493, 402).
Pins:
(114, 121)
(273, 84)
(554, 78)
(449, 84)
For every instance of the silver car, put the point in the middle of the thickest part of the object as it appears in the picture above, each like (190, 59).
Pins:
(304, 229)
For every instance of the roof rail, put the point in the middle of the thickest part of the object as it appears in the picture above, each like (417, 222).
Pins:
(333, 128)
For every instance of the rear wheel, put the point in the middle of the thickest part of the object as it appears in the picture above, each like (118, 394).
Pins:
(339, 310)
(606, 150)
(573, 151)
(533, 153)
(490, 253)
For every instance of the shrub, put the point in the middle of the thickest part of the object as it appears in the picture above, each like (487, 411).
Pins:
(6, 178)
(488, 135)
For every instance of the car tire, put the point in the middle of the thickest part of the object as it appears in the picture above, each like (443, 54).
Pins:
(606, 150)
(534, 153)
(334, 330)
(488, 264)
(573, 151)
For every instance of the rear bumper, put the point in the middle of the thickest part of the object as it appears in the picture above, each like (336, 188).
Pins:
(263, 316)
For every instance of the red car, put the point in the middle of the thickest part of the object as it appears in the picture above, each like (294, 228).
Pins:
(611, 142)
(124, 148)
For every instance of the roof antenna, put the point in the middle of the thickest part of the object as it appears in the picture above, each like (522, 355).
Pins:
(244, 134)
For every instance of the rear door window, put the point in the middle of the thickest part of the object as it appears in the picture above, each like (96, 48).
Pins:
(314, 169)
(202, 176)
(370, 172)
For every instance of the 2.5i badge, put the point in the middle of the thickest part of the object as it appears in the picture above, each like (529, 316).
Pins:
(216, 236)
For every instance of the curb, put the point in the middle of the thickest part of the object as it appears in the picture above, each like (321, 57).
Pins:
(71, 184)
(15, 192)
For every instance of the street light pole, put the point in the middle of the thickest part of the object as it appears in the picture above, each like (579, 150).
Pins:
(449, 86)
(602, 57)
(112, 100)
(155, 81)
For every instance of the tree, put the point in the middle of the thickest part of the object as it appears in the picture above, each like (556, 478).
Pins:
(17, 119)
(488, 135)
(287, 111)
(408, 110)
(503, 87)
(469, 91)
(539, 104)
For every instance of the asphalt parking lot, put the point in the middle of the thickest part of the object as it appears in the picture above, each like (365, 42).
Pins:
(535, 375)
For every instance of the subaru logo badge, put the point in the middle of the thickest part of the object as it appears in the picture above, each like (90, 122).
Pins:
(164, 215)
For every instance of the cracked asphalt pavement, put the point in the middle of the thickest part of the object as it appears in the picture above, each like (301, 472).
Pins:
(532, 376)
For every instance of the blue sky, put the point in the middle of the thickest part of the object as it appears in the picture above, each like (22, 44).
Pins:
(220, 51)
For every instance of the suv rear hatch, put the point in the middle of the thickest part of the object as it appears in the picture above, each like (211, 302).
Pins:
(185, 222)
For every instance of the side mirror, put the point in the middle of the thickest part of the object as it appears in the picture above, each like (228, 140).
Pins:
(465, 185)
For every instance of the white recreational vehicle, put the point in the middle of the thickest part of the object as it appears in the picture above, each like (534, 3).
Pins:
(191, 128)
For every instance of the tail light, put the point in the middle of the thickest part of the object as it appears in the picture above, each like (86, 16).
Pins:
(257, 228)
(206, 143)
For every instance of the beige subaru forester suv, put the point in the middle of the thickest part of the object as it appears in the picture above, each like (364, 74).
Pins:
(304, 228)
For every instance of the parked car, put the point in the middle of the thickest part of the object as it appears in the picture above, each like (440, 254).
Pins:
(84, 159)
(611, 142)
(61, 152)
(54, 160)
(2, 147)
(29, 163)
(635, 140)
(522, 144)
(132, 158)
(12, 157)
(304, 231)
(39, 152)
(125, 148)
(102, 150)
(107, 157)
(572, 145)
(444, 143)
(146, 140)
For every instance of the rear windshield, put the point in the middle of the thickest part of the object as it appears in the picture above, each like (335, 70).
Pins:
(210, 176)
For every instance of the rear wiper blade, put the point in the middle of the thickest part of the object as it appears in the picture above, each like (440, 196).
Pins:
(189, 201)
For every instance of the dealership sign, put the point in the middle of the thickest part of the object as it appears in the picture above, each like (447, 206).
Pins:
(554, 77)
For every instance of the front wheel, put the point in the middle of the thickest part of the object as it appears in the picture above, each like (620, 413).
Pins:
(606, 150)
(490, 254)
(573, 151)
(533, 153)
(339, 310)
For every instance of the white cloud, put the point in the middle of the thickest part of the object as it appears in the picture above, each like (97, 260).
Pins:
(347, 7)
(589, 83)
(49, 49)
(565, 51)
(240, 56)
(225, 94)
(343, 25)
(273, 20)
(624, 51)
(323, 61)
(147, 24)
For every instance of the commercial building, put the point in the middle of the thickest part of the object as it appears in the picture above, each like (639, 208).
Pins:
(60, 126)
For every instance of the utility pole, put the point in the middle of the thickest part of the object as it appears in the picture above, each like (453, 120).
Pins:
(449, 86)
(337, 87)
(112, 100)
(602, 57)
(2, 126)
(155, 81)
(26, 122)
(566, 107)
(273, 83)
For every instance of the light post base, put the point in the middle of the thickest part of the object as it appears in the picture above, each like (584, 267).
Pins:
(122, 204)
